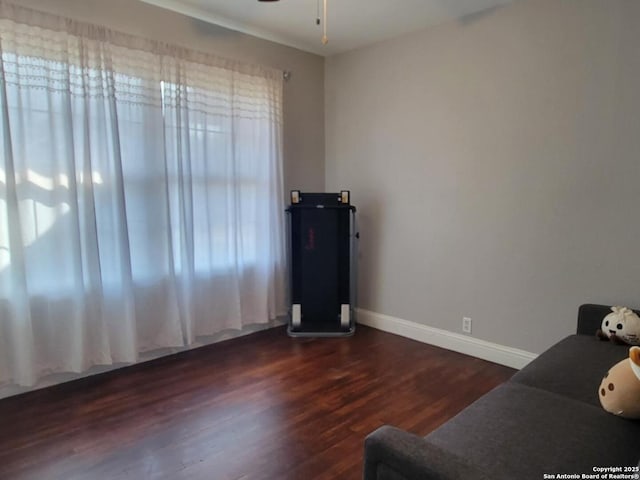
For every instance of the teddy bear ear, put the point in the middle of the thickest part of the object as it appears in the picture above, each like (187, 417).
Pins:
(634, 355)
(634, 360)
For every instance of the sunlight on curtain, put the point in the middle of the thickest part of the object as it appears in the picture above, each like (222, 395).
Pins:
(140, 195)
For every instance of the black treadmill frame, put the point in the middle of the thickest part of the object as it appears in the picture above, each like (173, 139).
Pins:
(317, 325)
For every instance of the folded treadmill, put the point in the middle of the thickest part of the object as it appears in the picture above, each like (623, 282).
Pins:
(322, 250)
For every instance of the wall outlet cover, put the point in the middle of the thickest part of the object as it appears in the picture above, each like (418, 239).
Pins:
(466, 325)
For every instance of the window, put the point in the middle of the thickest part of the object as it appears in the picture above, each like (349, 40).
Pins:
(140, 195)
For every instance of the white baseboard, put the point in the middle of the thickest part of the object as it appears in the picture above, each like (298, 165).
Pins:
(493, 352)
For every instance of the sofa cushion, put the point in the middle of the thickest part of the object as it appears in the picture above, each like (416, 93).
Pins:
(590, 317)
(517, 431)
(573, 367)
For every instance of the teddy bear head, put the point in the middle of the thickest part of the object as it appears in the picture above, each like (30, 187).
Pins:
(624, 324)
(619, 390)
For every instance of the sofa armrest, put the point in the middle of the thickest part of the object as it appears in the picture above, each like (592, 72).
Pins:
(590, 317)
(393, 454)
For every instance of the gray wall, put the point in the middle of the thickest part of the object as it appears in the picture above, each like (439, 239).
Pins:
(495, 162)
(303, 94)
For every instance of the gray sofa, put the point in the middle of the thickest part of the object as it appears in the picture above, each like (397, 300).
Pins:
(546, 419)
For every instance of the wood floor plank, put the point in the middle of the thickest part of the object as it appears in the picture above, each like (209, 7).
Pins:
(264, 406)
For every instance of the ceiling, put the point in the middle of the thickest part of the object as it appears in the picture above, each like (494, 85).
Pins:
(351, 23)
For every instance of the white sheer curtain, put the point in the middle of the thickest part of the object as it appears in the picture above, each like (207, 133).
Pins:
(140, 195)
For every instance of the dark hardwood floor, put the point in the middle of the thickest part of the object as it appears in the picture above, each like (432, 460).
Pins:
(264, 406)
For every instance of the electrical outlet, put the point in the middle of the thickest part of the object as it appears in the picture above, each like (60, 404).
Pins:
(466, 325)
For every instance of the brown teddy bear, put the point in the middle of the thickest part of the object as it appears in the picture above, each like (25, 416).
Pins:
(620, 388)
